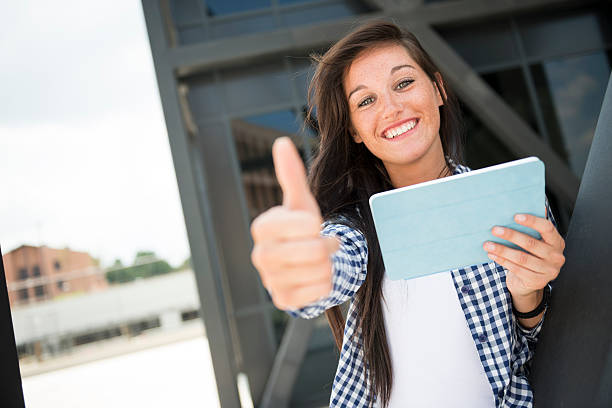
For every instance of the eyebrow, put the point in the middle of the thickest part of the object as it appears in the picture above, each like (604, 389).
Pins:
(394, 69)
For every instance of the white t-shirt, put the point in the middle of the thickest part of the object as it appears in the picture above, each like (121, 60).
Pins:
(434, 358)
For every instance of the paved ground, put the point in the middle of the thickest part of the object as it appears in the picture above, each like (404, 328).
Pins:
(178, 374)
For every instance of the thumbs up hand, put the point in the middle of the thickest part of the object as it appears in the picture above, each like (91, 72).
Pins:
(292, 258)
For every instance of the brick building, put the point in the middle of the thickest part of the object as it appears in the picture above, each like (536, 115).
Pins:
(41, 273)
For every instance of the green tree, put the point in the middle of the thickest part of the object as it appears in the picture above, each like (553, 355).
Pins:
(145, 265)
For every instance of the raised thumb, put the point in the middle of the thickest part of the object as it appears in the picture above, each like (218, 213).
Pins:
(291, 176)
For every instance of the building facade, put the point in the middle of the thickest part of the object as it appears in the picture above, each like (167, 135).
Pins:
(35, 274)
(233, 75)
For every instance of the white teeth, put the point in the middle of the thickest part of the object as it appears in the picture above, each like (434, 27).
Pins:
(390, 134)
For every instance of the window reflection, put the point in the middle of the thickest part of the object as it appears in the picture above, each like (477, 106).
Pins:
(224, 7)
(245, 25)
(254, 136)
(322, 12)
(510, 85)
(571, 91)
(197, 21)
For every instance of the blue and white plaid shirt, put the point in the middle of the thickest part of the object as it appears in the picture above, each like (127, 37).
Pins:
(504, 347)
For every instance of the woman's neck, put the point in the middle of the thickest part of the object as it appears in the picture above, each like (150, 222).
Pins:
(431, 166)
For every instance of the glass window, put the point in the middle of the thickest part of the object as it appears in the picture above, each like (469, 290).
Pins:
(256, 86)
(224, 7)
(57, 265)
(510, 85)
(313, 383)
(571, 91)
(36, 270)
(482, 147)
(302, 76)
(23, 294)
(243, 25)
(191, 35)
(484, 44)
(322, 12)
(23, 273)
(286, 2)
(560, 34)
(185, 11)
(285, 121)
(39, 291)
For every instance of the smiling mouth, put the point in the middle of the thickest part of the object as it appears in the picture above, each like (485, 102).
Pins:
(400, 129)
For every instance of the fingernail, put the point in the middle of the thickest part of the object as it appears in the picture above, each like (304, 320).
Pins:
(520, 217)
(498, 231)
(491, 256)
(489, 246)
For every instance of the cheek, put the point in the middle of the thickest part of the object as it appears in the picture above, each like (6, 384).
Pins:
(363, 123)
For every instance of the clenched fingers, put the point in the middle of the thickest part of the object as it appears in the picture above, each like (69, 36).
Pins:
(296, 252)
(530, 280)
(301, 296)
(290, 278)
(545, 227)
(279, 223)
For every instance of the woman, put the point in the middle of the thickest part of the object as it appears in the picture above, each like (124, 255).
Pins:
(461, 338)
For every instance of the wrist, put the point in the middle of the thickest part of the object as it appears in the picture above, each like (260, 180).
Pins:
(526, 302)
(531, 306)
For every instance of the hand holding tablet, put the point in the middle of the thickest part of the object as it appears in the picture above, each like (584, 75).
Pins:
(442, 224)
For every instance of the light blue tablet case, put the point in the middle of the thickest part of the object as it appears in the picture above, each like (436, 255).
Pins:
(442, 224)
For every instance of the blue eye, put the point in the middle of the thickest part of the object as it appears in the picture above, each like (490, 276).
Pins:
(404, 83)
(366, 101)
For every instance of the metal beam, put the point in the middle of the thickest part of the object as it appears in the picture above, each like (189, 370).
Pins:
(287, 363)
(496, 114)
(194, 199)
(224, 52)
(573, 364)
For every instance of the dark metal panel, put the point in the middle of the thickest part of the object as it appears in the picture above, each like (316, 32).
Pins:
(573, 363)
(240, 50)
(10, 377)
(496, 114)
(194, 199)
(252, 335)
(287, 363)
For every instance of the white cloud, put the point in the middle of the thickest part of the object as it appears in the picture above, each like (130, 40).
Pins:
(83, 147)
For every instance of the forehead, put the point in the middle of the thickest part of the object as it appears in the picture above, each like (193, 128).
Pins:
(377, 61)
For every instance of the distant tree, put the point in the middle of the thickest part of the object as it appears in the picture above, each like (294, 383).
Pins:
(117, 264)
(145, 265)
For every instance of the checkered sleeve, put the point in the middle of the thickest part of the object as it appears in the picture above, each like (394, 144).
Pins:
(349, 266)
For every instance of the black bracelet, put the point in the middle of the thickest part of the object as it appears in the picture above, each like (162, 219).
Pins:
(539, 309)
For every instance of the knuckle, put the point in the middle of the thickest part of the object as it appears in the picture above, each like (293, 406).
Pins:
(522, 258)
(282, 300)
(531, 243)
(256, 256)
(312, 225)
(255, 228)
(326, 287)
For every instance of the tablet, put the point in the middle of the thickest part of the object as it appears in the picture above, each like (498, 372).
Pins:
(442, 224)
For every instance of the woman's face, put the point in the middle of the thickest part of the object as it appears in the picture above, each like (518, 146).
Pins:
(394, 107)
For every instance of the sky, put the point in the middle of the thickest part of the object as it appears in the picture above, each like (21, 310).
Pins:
(85, 160)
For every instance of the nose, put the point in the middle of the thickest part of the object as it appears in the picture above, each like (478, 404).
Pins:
(392, 107)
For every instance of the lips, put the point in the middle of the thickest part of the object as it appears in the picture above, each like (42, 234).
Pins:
(400, 128)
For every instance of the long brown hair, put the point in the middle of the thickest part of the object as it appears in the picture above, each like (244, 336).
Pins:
(344, 174)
